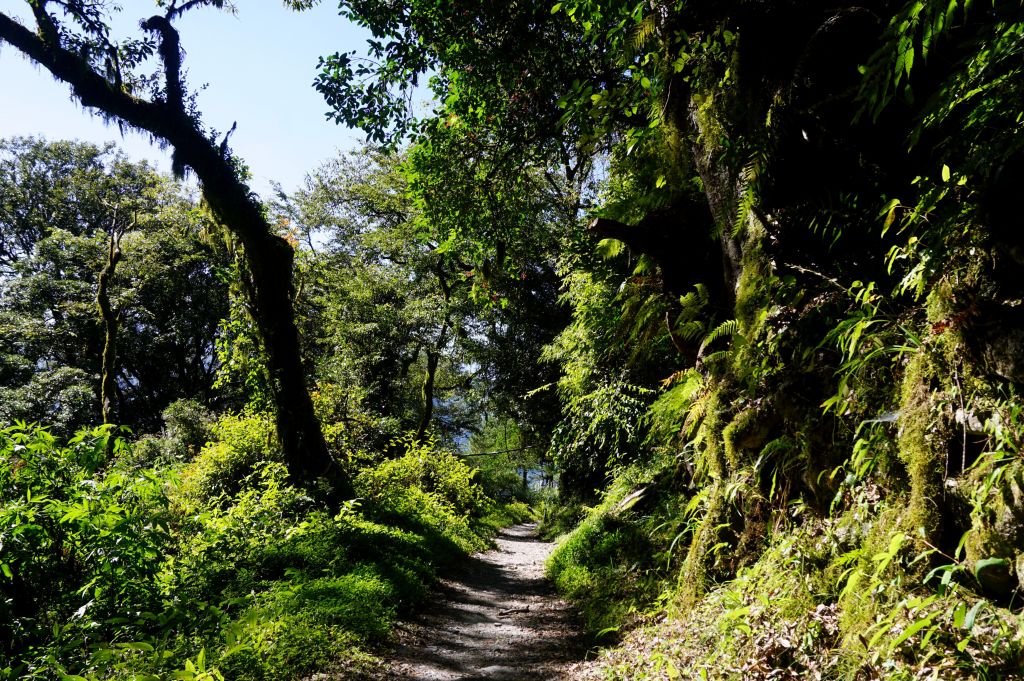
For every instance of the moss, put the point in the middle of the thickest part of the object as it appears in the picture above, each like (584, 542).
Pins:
(609, 565)
(753, 287)
(922, 444)
(940, 304)
(708, 118)
(729, 436)
(697, 575)
(747, 433)
(712, 460)
(859, 606)
(997, 531)
(769, 621)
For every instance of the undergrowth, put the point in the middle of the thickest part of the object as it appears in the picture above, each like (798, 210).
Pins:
(217, 568)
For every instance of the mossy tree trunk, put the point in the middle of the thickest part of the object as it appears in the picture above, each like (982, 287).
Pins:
(111, 323)
(429, 381)
(269, 257)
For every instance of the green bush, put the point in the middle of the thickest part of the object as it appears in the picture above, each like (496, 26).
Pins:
(242, 442)
(81, 547)
(429, 491)
(430, 469)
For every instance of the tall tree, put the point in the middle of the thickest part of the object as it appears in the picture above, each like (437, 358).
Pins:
(62, 205)
(390, 308)
(72, 41)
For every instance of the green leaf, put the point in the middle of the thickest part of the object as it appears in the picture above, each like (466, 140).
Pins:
(958, 615)
(882, 630)
(986, 563)
(140, 645)
(890, 214)
(557, 6)
(945, 173)
(737, 613)
(911, 630)
(973, 615)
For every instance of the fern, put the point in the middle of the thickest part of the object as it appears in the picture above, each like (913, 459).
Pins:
(668, 414)
(726, 329)
(913, 31)
(688, 331)
(749, 175)
(610, 249)
(646, 323)
(695, 299)
(698, 409)
(643, 32)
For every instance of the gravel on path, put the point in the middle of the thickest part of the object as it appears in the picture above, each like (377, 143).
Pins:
(496, 619)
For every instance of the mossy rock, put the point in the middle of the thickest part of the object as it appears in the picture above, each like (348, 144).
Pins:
(998, 532)
(747, 433)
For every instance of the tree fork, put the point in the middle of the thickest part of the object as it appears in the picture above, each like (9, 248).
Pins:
(268, 256)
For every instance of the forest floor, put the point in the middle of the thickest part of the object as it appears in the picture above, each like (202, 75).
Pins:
(496, 618)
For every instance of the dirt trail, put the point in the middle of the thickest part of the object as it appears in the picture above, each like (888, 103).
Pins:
(496, 619)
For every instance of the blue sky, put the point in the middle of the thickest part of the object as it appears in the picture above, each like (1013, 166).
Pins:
(258, 67)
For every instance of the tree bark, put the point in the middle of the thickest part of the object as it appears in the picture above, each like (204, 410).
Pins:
(268, 256)
(427, 396)
(427, 392)
(111, 323)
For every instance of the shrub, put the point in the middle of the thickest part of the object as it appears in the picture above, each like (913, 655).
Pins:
(242, 442)
(81, 545)
(431, 470)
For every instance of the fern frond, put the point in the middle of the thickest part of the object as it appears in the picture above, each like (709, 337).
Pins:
(695, 299)
(715, 356)
(608, 249)
(698, 410)
(728, 328)
(643, 32)
(749, 174)
(689, 331)
(647, 321)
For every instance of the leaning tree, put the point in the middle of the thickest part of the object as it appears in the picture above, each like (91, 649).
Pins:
(72, 40)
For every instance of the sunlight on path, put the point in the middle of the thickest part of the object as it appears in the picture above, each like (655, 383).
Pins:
(499, 620)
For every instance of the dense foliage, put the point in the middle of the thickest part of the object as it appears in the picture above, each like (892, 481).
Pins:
(61, 204)
(745, 276)
(789, 389)
(216, 567)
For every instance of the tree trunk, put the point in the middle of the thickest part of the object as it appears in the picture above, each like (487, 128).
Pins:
(111, 323)
(428, 394)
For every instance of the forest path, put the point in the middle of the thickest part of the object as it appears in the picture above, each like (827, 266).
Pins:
(497, 619)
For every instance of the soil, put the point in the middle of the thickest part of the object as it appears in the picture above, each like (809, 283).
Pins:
(495, 619)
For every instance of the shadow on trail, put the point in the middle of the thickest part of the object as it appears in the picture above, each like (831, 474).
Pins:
(495, 619)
